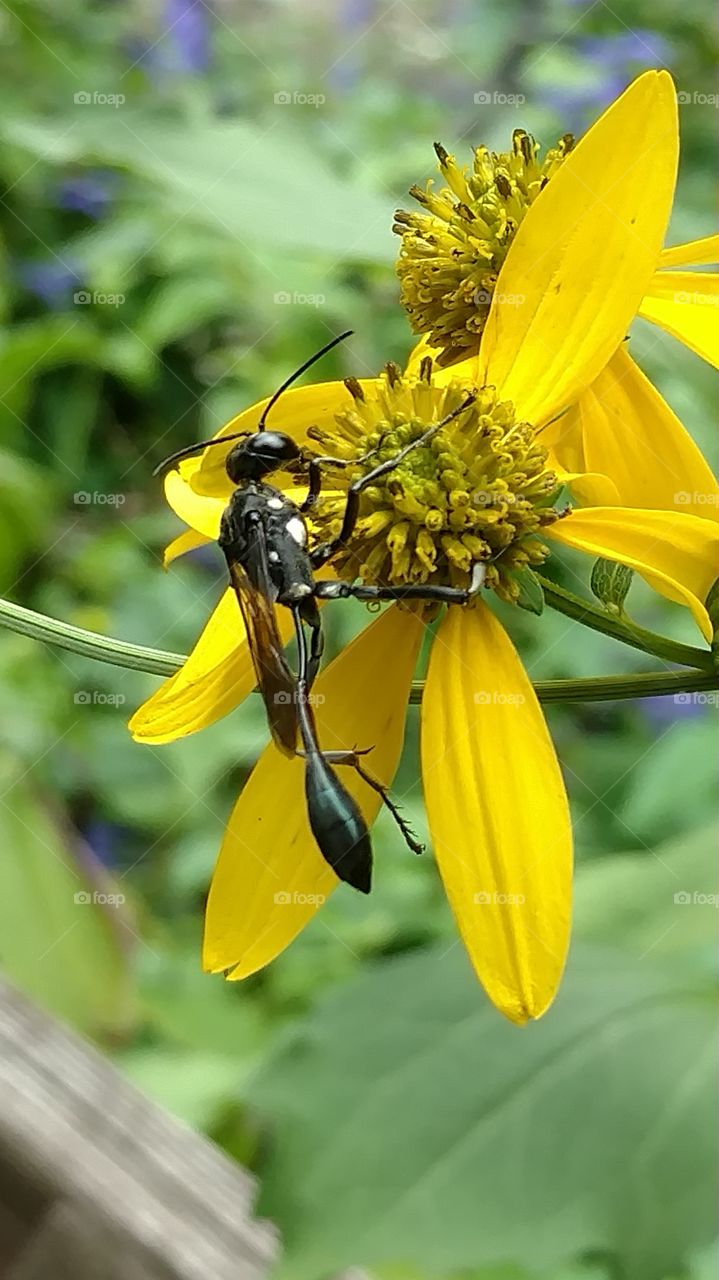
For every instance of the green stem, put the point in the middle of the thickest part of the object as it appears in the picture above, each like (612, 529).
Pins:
(88, 643)
(137, 657)
(591, 615)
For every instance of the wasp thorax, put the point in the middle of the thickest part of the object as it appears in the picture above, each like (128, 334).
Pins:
(479, 490)
(452, 252)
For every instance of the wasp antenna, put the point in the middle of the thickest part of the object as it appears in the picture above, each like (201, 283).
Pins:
(192, 449)
(298, 373)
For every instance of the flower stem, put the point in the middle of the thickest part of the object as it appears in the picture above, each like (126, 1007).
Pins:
(610, 624)
(88, 643)
(138, 657)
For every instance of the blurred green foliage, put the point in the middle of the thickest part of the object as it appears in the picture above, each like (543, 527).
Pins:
(167, 259)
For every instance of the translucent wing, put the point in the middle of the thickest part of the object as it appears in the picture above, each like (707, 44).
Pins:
(253, 588)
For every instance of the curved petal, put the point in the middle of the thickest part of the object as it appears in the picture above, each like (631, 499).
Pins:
(676, 554)
(203, 514)
(271, 878)
(497, 811)
(584, 254)
(686, 304)
(190, 540)
(217, 676)
(630, 433)
(694, 254)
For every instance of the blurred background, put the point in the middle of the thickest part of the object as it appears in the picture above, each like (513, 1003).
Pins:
(195, 196)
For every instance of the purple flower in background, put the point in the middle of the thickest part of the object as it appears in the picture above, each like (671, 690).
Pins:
(611, 61)
(188, 34)
(641, 48)
(89, 193)
(661, 711)
(50, 280)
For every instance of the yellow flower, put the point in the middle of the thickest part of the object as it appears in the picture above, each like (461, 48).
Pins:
(467, 264)
(495, 799)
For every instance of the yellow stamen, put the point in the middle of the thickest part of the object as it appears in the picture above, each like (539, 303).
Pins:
(452, 252)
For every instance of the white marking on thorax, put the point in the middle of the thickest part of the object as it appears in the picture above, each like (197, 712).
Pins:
(275, 503)
(296, 529)
(273, 557)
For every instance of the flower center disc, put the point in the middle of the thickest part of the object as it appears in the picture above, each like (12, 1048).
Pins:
(478, 490)
(452, 252)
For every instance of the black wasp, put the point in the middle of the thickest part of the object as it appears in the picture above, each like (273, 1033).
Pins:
(264, 539)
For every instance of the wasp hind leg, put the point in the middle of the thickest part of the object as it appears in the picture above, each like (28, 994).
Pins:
(351, 758)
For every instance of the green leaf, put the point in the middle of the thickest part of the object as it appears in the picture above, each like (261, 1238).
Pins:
(610, 583)
(531, 594)
(64, 951)
(413, 1124)
(663, 900)
(244, 182)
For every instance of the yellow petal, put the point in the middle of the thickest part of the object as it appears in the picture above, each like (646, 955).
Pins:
(217, 676)
(584, 254)
(271, 878)
(694, 254)
(676, 554)
(686, 304)
(630, 434)
(497, 811)
(184, 542)
(202, 514)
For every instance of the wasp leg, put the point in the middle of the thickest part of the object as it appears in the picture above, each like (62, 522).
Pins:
(326, 550)
(351, 758)
(443, 595)
(315, 466)
(309, 615)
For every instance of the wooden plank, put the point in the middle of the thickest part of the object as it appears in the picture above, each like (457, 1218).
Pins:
(99, 1183)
